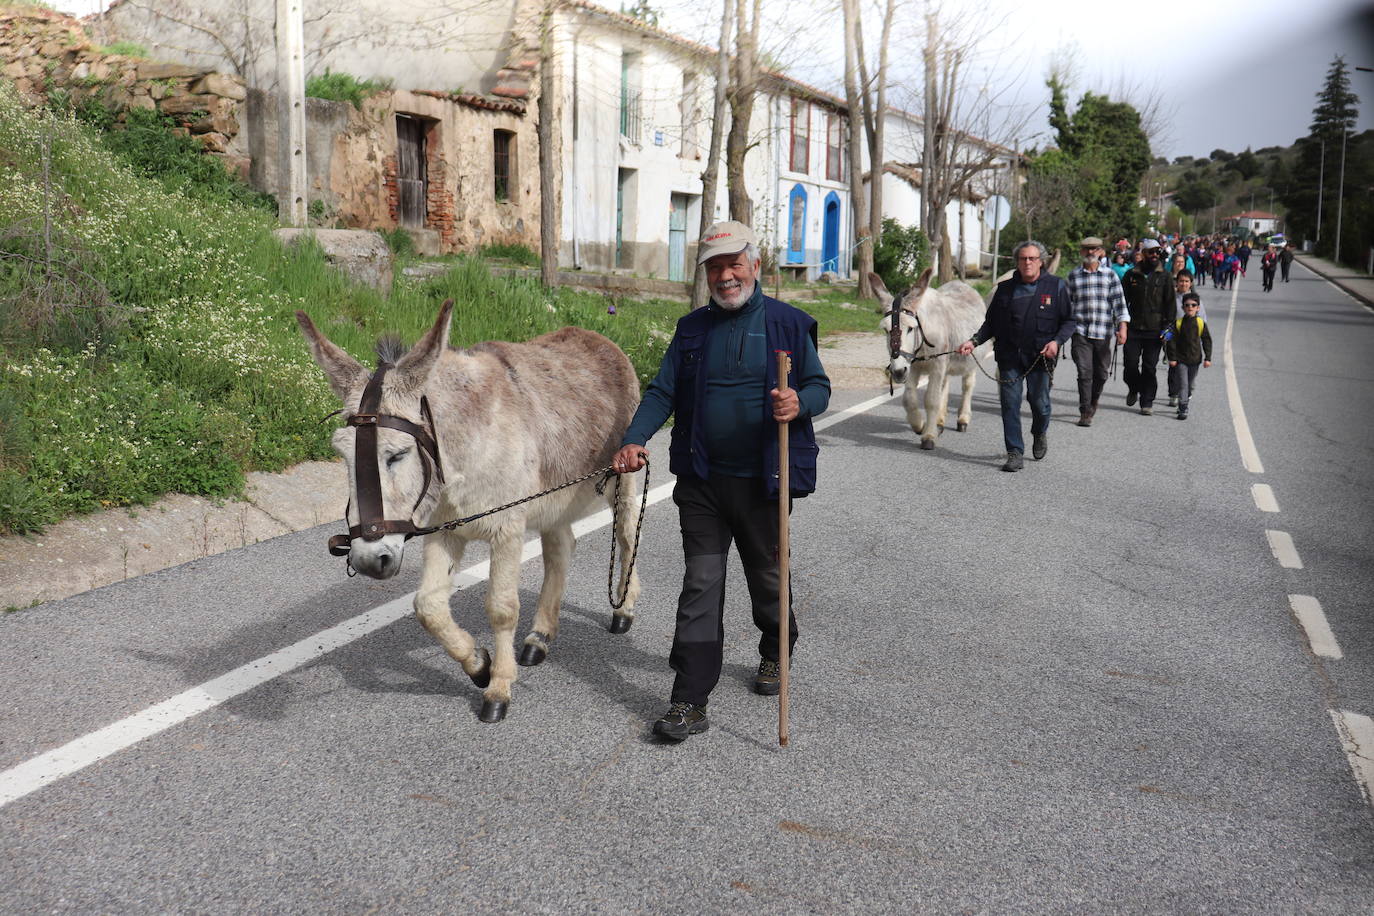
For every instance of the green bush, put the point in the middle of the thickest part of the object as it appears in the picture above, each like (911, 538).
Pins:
(520, 254)
(126, 49)
(901, 254)
(400, 242)
(343, 87)
(148, 144)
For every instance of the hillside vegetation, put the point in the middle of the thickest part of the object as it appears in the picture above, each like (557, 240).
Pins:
(147, 334)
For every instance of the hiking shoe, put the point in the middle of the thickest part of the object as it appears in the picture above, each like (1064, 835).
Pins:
(1130, 398)
(1085, 419)
(1146, 411)
(1173, 402)
(768, 681)
(1040, 445)
(681, 720)
(1014, 462)
(1183, 414)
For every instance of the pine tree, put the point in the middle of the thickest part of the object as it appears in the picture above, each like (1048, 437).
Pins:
(1316, 177)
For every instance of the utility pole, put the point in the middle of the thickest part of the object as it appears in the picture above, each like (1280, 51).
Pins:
(1340, 199)
(1321, 189)
(291, 111)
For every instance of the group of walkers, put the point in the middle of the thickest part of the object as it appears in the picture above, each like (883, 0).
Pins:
(719, 381)
(1147, 310)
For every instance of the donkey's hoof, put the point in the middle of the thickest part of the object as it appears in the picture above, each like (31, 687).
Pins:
(620, 623)
(963, 426)
(928, 444)
(532, 654)
(482, 676)
(493, 710)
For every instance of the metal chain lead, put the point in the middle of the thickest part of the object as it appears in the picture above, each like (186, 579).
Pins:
(608, 472)
(634, 551)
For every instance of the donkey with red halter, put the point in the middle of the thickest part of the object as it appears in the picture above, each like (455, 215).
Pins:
(925, 326)
(437, 433)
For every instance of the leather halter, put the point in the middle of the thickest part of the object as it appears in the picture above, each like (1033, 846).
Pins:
(372, 522)
(894, 333)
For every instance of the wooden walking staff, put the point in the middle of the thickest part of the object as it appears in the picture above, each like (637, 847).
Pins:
(784, 551)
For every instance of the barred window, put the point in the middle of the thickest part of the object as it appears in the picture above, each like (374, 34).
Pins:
(503, 162)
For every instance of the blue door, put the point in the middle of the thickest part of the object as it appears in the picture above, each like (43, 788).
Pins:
(830, 234)
(796, 226)
(677, 237)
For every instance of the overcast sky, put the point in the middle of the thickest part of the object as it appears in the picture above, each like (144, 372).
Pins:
(1227, 74)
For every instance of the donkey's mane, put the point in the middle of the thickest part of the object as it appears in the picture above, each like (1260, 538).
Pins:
(390, 349)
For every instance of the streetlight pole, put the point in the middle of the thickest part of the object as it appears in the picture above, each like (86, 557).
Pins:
(1340, 199)
(1321, 189)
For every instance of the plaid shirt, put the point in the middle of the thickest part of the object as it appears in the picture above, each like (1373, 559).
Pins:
(1098, 304)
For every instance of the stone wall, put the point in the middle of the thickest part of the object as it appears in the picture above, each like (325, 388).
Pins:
(45, 53)
(350, 152)
(351, 164)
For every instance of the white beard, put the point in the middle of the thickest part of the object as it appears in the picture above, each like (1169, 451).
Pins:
(746, 293)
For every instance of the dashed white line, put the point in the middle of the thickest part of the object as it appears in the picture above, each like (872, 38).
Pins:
(1249, 455)
(1281, 545)
(1264, 497)
(1357, 737)
(1319, 636)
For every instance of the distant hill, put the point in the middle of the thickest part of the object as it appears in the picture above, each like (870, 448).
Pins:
(1220, 185)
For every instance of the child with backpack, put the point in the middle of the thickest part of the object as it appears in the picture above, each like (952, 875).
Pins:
(1188, 348)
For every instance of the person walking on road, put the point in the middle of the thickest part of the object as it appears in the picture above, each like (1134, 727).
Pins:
(1188, 347)
(718, 379)
(1149, 295)
(1099, 314)
(1286, 255)
(1030, 318)
(1269, 262)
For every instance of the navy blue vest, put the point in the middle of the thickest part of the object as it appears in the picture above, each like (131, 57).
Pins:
(786, 328)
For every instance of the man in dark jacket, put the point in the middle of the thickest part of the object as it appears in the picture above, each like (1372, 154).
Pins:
(1286, 255)
(1149, 292)
(1030, 318)
(719, 380)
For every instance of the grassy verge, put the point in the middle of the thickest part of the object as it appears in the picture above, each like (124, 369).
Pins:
(147, 334)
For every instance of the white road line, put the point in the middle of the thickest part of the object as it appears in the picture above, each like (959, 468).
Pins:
(1264, 497)
(1357, 736)
(1249, 455)
(865, 407)
(1281, 544)
(47, 768)
(1319, 636)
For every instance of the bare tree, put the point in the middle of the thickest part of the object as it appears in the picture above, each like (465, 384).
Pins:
(710, 178)
(744, 83)
(549, 152)
(952, 155)
(863, 238)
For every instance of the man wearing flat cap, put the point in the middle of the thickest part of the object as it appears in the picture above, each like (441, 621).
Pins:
(1149, 292)
(1099, 314)
(719, 381)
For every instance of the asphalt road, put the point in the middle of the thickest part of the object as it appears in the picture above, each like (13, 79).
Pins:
(1080, 688)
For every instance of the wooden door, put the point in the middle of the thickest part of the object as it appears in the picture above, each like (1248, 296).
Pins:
(677, 238)
(412, 178)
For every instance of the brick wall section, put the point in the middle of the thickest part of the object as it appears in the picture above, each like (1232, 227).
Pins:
(439, 198)
(393, 193)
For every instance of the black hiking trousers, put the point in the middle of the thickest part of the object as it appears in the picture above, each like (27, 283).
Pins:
(713, 513)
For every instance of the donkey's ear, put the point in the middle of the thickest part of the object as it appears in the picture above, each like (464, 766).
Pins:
(922, 283)
(345, 373)
(412, 371)
(880, 288)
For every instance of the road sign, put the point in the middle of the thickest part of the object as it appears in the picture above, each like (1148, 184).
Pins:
(996, 212)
